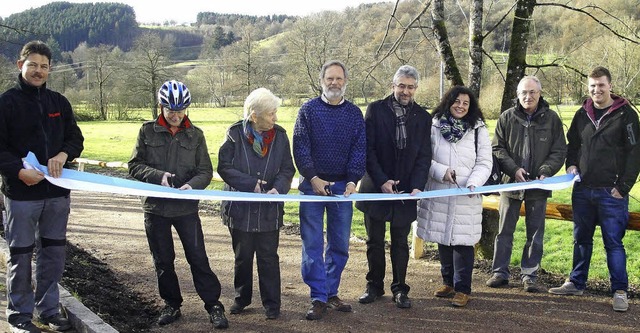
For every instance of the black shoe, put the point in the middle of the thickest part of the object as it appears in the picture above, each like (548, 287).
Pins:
(168, 315)
(26, 327)
(370, 295)
(402, 300)
(56, 322)
(317, 310)
(216, 316)
(236, 308)
(272, 313)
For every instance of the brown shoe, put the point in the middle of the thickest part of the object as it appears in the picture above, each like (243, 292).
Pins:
(317, 310)
(337, 304)
(460, 300)
(444, 291)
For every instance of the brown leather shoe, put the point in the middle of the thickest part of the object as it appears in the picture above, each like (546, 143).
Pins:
(337, 304)
(460, 299)
(445, 291)
(317, 310)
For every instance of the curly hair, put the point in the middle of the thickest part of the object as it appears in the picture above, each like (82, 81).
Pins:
(449, 98)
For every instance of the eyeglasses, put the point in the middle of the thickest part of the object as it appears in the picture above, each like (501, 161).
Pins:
(402, 86)
(524, 93)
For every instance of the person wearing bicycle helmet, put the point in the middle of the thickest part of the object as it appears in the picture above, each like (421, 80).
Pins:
(171, 151)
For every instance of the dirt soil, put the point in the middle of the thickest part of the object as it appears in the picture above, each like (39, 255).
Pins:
(110, 269)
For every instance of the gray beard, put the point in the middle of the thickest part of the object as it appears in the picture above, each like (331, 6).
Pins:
(332, 94)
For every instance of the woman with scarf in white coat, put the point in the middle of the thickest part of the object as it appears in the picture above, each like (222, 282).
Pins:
(461, 159)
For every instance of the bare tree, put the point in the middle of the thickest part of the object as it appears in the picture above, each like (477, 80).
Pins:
(148, 66)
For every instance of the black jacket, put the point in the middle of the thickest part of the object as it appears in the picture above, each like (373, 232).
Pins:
(184, 154)
(386, 162)
(536, 144)
(240, 167)
(37, 120)
(607, 155)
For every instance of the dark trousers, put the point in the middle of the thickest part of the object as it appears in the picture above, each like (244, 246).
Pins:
(265, 247)
(376, 256)
(456, 266)
(160, 239)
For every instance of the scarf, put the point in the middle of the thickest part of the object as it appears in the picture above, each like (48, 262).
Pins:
(401, 124)
(259, 141)
(452, 129)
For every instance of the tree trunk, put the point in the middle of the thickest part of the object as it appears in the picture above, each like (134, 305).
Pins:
(475, 47)
(517, 62)
(451, 70)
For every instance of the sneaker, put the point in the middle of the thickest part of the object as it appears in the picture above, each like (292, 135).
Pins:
(530, 286)
(236, 308)
(317, 310)
(337, 304)
(168, 315)
(445, 291)
(620, 301)
(26, 327)
(460, 300)
(497, 281)
(56, 322)
(568, 288)
(217, 317)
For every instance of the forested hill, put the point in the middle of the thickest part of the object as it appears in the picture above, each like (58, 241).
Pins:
(71, 24)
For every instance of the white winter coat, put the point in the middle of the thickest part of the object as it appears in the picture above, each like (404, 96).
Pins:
(455, 220)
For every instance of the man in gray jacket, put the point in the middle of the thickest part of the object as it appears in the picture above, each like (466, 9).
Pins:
(529, 143)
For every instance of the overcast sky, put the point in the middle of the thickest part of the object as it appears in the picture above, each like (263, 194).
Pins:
(185, 11)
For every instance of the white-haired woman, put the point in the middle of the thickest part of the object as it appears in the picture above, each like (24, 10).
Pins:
(256, 157)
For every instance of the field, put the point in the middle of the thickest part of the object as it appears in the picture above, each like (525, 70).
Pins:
(114, 141)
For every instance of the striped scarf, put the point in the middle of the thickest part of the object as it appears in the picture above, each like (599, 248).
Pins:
(401, 124)
(452, 129)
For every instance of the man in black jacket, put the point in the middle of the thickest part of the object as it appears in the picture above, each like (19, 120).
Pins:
(603, 149)
(34, 118)
(398, 160)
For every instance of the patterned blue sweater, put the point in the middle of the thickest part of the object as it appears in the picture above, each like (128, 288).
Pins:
(329, 141)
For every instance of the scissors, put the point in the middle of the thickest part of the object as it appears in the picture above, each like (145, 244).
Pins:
(327, 189)
(453, 176)
(395, 189)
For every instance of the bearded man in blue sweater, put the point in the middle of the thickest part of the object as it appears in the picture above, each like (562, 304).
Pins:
(329, 148)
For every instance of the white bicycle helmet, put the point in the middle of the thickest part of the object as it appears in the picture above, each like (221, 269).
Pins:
(174, 95)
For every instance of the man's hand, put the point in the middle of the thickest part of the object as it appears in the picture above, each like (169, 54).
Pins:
(185, 187)
(318, 185)
(351, 188)
(388, 186)
(56, 163)
(30, 176)
(166, 179)
(572, 169)
(415, 191)
(522, 175)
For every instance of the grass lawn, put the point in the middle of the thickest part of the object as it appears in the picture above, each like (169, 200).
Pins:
(114, 141)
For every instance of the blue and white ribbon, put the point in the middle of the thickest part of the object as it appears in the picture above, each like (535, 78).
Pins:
(84, 181)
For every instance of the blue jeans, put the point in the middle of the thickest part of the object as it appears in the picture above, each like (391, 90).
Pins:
(322, 267)
(39, 225)
(596, 206)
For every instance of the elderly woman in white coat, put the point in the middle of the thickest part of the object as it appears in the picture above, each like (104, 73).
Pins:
(461, 159)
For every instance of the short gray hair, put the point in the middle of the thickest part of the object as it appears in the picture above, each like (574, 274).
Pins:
(532, 78)
(333, 63)
(406, 71)
(259, 101)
